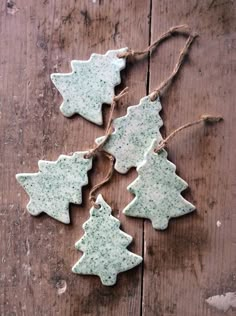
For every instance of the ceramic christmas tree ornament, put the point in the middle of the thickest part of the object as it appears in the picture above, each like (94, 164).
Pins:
(57, 184)
(133, 134)
(157, 191)
(104, 246)
(90, 84)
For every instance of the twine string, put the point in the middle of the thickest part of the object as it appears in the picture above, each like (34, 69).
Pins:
(157, 92)
(98, 147)
(92, 197)
(179, 29)
(113, 105)
(108, 132)
(206, 118)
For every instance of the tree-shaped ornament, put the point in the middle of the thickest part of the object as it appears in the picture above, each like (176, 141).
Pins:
(104, 246)
(133, 134)
(57, 184)
(90, 84)
(157, 191)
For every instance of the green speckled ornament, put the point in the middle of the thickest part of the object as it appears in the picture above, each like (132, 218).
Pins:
(157, 191)
(104, 246)
(133, 134)
(90, 84)
(57, 184)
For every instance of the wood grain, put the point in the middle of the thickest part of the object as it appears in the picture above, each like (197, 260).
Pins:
(192, 260)
(37, 253)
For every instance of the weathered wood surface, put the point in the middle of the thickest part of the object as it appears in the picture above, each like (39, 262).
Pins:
(194, 259)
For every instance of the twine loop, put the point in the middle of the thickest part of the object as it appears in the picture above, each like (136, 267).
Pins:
(92, 197)
(157, 92)
(179, 29)
(206, 118)
(183, 29)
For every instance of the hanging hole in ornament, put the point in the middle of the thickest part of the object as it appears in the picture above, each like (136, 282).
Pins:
(153, 96)
(126, 54)
(97, 206)
(87, 155)
(112, 129)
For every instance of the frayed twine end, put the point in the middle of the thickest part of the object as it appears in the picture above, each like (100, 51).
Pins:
(211, 119)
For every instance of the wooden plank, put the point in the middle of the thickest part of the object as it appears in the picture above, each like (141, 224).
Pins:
(38, 38)
(194, 258)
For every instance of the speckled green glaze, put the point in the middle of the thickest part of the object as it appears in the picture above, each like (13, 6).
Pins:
(90, 84)
(57, 184)
(133, 134)
(157, 191)
(104, 246)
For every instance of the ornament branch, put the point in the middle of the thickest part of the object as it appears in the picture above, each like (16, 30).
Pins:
(206, 118)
